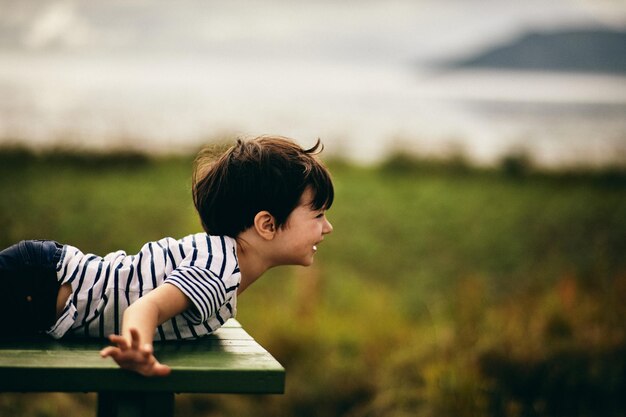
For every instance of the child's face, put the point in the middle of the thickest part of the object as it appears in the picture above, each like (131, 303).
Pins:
(305, 228)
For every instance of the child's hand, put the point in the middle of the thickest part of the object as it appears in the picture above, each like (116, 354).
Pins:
(134, 357)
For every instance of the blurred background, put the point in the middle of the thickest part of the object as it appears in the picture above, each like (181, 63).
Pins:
(367, 76)
(479, 153)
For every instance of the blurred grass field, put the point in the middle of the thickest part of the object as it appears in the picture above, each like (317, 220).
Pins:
(445, 289)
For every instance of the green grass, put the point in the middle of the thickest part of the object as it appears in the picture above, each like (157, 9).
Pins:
(445, 290)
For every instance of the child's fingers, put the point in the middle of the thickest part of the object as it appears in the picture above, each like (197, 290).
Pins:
(118, 340)
(160, 370)
(108, 351)
(134, 339)
(154, 368)
(134, 358)
(147, 351)
(126, 359)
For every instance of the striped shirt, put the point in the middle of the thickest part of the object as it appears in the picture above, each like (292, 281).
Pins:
(203, 267)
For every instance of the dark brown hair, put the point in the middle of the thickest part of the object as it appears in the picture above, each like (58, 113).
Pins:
(266, 173)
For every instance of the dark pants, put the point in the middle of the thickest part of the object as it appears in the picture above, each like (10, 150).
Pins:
(28, 287)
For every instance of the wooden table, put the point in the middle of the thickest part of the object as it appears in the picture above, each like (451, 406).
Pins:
(229, 361)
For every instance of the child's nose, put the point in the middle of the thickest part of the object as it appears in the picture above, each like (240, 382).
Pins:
(328, 228)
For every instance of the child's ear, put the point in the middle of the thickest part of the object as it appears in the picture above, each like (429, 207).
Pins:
(265, 225)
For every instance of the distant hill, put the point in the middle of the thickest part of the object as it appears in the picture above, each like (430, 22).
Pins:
(581, 50)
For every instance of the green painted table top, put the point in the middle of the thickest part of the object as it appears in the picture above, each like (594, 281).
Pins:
(229, 361)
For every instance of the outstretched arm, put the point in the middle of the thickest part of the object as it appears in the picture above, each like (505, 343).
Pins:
(133, 348)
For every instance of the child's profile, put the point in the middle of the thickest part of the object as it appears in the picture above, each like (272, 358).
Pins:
(262, 204)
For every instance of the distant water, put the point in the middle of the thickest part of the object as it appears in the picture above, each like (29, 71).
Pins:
(175, 103)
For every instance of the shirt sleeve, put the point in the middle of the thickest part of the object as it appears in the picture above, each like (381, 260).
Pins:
(208, 276)
(205, 290)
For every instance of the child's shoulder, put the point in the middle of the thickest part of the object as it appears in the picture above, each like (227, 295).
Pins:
(201, 237)
(202, 242)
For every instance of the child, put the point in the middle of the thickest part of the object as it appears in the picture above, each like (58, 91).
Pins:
(261, 204)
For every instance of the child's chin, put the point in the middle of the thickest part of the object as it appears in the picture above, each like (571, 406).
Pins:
(307, 262)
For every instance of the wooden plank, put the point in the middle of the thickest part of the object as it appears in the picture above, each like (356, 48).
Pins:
(230, 361)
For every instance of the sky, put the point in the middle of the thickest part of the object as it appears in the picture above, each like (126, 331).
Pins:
(393, 29)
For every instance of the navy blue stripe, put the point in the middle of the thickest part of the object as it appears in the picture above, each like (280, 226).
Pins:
(64, 274)
(192, 316)
(161, 332)
(116, 300)
(81, 279)
(90, 292)
(195, 250)
(209, 247)
(207, 327)
(129, 280)
(233, 288)
(75, 272)
(139, 274)
(96, 314)
(106, 280)
(175, 328)
(67, 265)
(90, 297)
(224, 257)
(219, 318)
(191, 326)
(171, 256)
(103, 296)
(100, 316)
(65, 310)
(181, 249)
(152, 268)
(194, 256)
(166, 252)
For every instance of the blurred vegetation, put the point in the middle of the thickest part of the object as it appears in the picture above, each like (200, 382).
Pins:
(445, 290)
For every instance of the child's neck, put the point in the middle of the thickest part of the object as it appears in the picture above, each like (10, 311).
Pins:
(251, 264)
